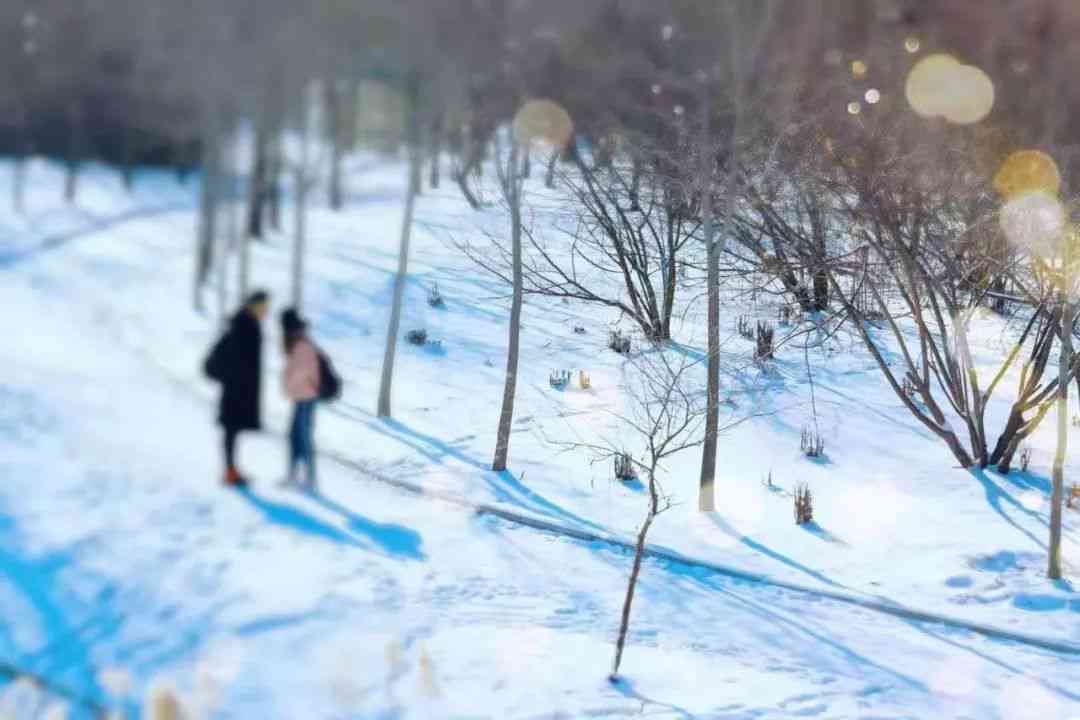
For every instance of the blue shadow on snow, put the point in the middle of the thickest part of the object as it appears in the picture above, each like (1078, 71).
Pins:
(507, 487)
(397, 540)
(996, 496)
(296, 519)
(625, 687)
(769, 552)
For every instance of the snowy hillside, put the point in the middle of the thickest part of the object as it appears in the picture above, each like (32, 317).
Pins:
(120, 553)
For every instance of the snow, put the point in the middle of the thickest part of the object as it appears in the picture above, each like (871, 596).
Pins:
(123, 560)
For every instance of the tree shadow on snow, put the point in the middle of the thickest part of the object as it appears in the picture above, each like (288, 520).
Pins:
(754, 545)
(997, 495)
(66, 652)
(507, 486)
(95, 224)
(814, 529)
(970, 643)
(1026, 480)
(397, 540)
(625, 687)
(787, 627)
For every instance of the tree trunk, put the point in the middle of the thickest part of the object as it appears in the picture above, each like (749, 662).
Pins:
(74, 150)
(506, 417)
(549, 178)
(473, 161)
(208, 201)
(1012, 426)
(301, 184)
(228, 241)
(821, 291)
(130, 149)
(300, 236)
(998, 303)
(789, 279)
(243, 268)
(18, 179)
(1005, 464)
(257, 184)
(276, 162)
(332, 96)
(436, 150)
(603, 152)
(706, 491)
(413, 122)
(350, 119)
(1056, 496)
(639, 554)
(820, 280)
(957, 448)
(18, 185)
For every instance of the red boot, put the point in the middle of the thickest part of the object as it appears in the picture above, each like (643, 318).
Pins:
(233, 478)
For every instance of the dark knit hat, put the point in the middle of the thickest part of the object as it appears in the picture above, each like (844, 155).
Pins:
(257, 297)
(291, 321)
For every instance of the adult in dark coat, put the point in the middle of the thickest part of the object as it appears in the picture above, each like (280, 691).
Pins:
(236, 362)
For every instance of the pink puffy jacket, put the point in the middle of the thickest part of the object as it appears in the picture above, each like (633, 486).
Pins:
(301, 376)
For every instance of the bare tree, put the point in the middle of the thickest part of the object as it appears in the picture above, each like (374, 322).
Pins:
(335, 113)
(613, 251)
(666, 416)
(1033, 398)
(1066, 369)
(510, 183)
(210, 190)
(706, 491)
(258, 179)
(304, 178)
(743, 41)
(412, 121)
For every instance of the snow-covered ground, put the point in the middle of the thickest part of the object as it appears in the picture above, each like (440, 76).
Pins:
(119, 550)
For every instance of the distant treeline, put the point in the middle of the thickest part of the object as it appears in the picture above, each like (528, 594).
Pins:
(104, 133)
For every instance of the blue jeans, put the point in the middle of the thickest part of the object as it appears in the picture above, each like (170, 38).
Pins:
(302, 439)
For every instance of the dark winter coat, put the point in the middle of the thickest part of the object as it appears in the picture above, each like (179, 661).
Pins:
(236, 362)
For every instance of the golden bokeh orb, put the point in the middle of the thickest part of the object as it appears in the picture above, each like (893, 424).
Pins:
(1034, 222)
(854, 108)
(858, 68)
(543, 121)
(1027, 171)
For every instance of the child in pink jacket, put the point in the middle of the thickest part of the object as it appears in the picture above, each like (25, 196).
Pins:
(300, 381)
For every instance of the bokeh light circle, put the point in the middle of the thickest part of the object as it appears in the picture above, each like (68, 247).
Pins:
(925, 89)
(939, 85)
(1034, 222)
(1027, 171)
(543, 121)
(972, 95)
